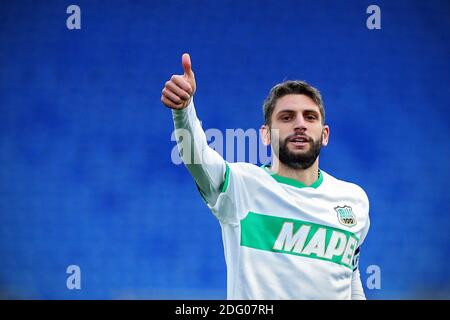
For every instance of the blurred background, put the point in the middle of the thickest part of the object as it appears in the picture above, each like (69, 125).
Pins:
(86, 175)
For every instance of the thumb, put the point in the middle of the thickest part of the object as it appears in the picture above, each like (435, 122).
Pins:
(187, 66)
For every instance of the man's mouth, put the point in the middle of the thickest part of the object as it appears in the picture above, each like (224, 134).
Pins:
(299, 141)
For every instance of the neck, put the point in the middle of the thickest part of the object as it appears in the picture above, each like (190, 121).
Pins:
(307, 176)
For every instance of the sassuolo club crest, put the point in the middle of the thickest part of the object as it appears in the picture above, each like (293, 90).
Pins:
(346, 216)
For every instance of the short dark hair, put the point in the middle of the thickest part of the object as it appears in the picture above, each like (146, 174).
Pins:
(291, 87)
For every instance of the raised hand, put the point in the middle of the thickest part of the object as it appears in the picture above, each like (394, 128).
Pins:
(179, 90)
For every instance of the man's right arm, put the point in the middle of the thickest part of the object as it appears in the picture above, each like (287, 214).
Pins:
(206, 166)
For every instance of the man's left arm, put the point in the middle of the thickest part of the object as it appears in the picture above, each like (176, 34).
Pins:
(356, 285)
(357, 288)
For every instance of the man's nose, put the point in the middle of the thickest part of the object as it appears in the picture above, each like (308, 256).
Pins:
(300, 123)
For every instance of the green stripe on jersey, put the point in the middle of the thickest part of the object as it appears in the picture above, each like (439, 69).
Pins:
(226, 179)
(299, 238)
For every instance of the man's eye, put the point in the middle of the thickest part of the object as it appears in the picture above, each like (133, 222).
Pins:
(311, 117)
(286, 118)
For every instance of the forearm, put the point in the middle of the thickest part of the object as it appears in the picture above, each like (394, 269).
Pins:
(357, 288)
(205, 165)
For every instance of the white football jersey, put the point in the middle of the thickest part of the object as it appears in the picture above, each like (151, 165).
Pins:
(282, 239)
(285, 240)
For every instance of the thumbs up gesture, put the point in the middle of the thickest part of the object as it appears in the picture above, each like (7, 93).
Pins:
(179, 90)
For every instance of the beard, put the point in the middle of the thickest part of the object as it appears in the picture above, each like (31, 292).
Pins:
(299, 160)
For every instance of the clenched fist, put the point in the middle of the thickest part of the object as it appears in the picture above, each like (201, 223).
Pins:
(179, 90)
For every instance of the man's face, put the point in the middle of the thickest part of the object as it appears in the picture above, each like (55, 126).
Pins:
(299, 133)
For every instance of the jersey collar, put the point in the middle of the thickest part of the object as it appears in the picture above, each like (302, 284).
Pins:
(293, 182)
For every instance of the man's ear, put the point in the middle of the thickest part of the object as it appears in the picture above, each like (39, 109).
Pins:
(264, 131)
(325, 135)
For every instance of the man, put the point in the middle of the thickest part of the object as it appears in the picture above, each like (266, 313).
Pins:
(290, 230)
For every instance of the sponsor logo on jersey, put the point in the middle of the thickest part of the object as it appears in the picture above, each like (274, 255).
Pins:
(299, 238)
(346, 216)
